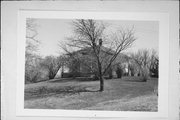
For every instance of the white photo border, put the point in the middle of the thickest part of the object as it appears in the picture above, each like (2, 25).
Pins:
(162, 18)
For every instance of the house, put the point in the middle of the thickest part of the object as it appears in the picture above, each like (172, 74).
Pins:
(82, 63)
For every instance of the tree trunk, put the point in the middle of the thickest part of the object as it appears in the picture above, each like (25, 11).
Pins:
(100, 77)
(101, 83)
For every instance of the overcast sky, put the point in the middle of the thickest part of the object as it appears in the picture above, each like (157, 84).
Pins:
(53, 31)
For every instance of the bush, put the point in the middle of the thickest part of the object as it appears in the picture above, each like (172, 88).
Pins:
(110, 75)
(95, 78)
(67, 75)
(119, 72)
(32, 75)
(154, 71)
(144, 74)
(71, 75)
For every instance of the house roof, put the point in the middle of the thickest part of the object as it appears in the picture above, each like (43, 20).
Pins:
(90, 49)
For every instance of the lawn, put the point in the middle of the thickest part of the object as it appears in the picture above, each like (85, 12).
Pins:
(125, 94)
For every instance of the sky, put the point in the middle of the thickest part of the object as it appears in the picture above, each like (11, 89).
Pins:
(51, 32)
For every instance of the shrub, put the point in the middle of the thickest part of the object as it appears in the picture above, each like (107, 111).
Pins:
(119, 72)
(32, 74)
(144, 74)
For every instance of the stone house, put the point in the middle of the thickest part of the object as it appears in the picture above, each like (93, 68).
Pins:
(82, 63)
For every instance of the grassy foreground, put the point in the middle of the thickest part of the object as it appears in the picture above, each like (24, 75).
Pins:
(126, 94)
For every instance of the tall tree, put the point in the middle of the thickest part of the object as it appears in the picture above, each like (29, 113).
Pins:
(32, 72)
(31, 33)
(154, 64)
(90, 34)
(142, 59)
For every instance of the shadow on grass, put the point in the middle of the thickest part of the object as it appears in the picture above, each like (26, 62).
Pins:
(80, 79)
(47, 92)
(135, 81)
(61, 80)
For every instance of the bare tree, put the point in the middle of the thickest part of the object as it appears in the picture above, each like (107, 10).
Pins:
(154, 64)
(31, 33)
(89, 34)
(142, 59)
(32, 72)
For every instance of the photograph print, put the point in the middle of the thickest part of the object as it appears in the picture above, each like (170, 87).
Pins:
(89, 64)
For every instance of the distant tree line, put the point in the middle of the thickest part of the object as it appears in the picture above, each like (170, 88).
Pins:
(143, 63)
(147, 63)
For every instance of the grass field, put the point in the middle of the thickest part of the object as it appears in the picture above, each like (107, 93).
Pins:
(126, 94)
